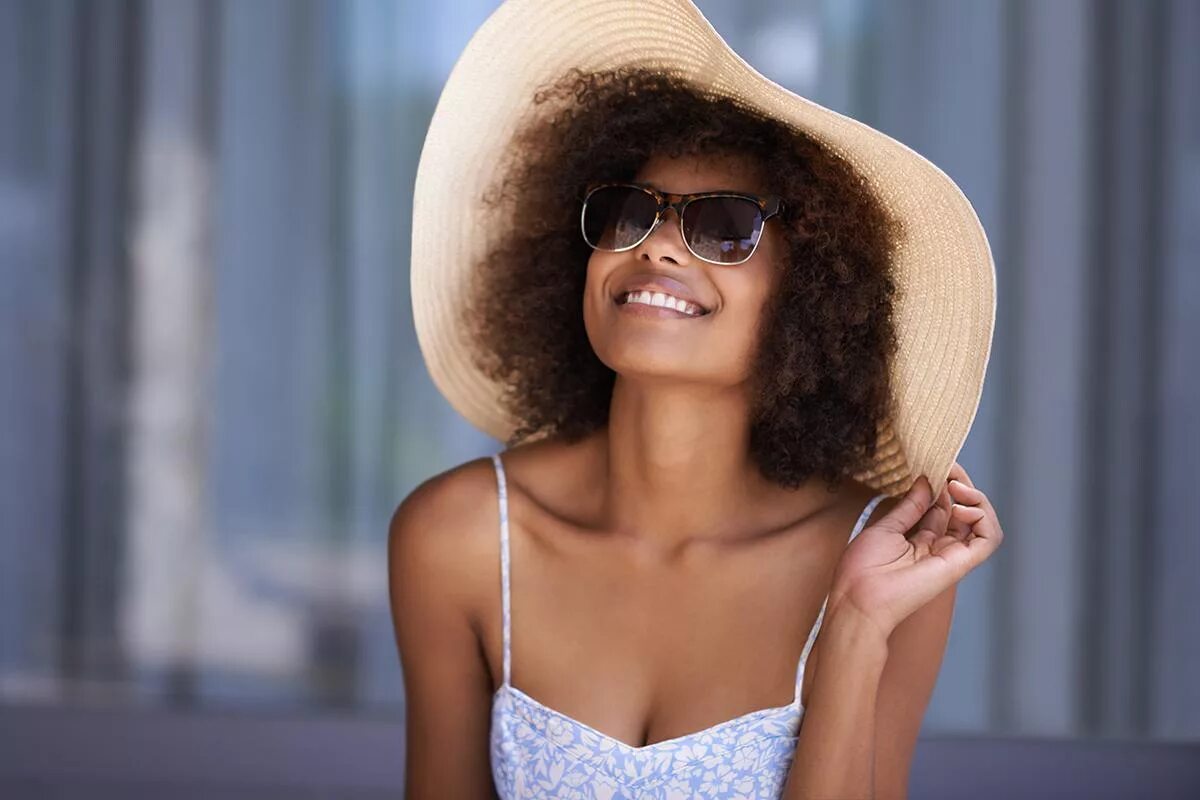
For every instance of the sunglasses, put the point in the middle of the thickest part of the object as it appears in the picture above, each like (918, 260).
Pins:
(718, 227)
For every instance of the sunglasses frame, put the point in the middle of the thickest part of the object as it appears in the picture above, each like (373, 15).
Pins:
(769, 206)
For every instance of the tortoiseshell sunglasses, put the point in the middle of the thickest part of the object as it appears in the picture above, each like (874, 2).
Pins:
(718, 227)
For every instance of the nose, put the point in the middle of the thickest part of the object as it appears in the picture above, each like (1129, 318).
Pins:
(665, 240)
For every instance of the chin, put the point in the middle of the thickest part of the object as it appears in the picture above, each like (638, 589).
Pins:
(638, 367)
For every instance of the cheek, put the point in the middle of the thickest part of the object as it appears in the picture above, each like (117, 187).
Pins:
(747, 298)
(599, 267)
(746, 289)
(738, 333)
(595, 295)
(596, 288)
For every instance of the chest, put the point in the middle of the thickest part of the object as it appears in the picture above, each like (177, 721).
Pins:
(645, 654)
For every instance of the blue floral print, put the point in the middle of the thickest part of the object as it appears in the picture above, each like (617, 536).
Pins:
(538, 753)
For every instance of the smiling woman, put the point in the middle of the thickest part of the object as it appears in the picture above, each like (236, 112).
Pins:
(827, 331)
(677, 298)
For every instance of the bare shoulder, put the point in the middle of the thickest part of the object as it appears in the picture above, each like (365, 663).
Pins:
(449, 525)
(442, 555)
(454, 496)
(446, 532)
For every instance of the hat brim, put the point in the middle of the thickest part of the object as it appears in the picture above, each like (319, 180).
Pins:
(946, 299)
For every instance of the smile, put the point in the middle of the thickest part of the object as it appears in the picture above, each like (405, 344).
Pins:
(658, 304)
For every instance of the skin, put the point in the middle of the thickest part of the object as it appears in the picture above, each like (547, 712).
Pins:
(697, 579)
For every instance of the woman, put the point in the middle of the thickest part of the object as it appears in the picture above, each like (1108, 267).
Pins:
(707, 525)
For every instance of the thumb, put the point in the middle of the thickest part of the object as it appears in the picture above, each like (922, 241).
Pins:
(910, 509)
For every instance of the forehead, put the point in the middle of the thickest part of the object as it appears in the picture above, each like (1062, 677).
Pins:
(691, 173)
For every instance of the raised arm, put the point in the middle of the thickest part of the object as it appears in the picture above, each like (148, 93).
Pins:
(857, 702)
(915, 651)
(436, 558)
(835, 754)
(882, 644)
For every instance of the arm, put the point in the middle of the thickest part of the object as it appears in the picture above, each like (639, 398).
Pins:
(835, 753)
(862, 702)
(446, 679)
(915, 651)
(889, 618)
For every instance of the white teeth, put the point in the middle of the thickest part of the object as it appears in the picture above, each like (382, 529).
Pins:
(664, 300)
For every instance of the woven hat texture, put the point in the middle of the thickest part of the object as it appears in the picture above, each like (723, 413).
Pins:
(943, 267)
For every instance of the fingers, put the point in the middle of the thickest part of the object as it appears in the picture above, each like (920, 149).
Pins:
(965, 518)
(937, 516)
(959, 536)
(967, 495)
(958, 473)
(911, 508)
(923, 539)
(973, 511)
(959, 556)
(963, 489)
(959, 525)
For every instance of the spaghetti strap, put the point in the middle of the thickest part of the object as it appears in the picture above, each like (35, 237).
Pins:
(505, 611)
(812, 635)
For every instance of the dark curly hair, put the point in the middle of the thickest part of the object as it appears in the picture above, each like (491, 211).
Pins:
(820, 378)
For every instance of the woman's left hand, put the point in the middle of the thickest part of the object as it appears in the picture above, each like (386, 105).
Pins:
(916, 551)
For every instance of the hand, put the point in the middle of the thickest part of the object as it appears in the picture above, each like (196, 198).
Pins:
(916, 551)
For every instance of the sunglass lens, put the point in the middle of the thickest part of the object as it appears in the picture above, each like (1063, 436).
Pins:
(617, 216)
(722, 229)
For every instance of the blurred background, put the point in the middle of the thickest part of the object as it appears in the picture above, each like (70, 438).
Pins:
(211, 395)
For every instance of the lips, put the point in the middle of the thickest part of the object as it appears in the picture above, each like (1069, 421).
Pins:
(659, 283)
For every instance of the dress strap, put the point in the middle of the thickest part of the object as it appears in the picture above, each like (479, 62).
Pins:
(505, 615)
(816, 628)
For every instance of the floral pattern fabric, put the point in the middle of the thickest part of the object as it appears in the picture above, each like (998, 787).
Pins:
(538, 753)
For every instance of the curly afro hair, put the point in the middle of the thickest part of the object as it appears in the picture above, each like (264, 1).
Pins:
(820, 378)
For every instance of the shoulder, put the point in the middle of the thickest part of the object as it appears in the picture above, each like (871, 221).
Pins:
(442, 558)
(442, 514)
(441, 496)
(443, 537)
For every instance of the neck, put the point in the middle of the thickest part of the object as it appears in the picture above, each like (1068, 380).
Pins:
(676, 467)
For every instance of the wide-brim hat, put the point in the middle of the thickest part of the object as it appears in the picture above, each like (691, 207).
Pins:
(946, 301)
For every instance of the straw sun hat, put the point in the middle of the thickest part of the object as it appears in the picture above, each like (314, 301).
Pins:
(946, 299)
